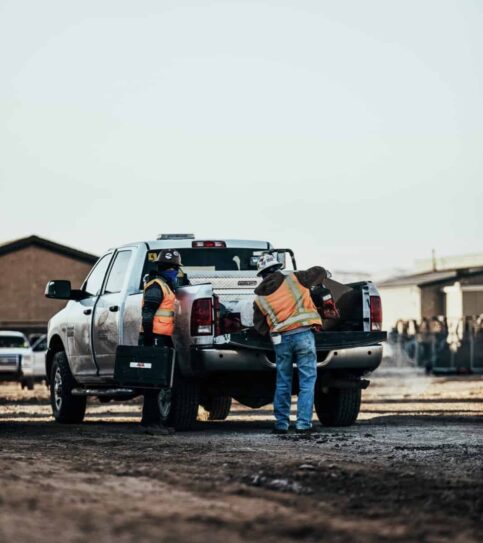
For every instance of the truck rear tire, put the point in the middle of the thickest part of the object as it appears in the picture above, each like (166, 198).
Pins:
(338, 406)
(67, 409)
(27, 383)
(218, 407)
(179, 405)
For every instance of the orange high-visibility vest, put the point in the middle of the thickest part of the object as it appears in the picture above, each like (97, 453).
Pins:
(289, 307)
(163, 323)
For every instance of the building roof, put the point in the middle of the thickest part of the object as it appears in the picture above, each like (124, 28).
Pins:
(429, 278)
(52, 246)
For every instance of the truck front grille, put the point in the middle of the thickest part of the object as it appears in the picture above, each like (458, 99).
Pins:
(9, 362)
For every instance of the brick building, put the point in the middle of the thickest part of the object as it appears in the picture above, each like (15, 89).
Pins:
(26, 265)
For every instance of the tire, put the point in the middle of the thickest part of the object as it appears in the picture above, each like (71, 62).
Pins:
(67, 409)
(338, 406)
(27, 383)
(179, 405)
(218, 407)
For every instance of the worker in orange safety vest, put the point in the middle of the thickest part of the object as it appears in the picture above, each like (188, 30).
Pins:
(284, 309)
(158, 311)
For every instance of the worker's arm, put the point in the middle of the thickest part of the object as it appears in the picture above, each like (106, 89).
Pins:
(311, 277)
(260, 321)
(153, 296)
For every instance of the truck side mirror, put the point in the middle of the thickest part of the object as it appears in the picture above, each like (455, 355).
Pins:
(59, 290)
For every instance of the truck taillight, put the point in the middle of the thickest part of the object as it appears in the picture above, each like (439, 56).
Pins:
(216, 314)
(202, 317)
(212, 244)
(376, 313)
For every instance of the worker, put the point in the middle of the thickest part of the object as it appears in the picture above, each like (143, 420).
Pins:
(158, 325)
(284, 309)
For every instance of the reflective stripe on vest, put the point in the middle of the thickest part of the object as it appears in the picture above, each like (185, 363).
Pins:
(289, 307)
(163, 322)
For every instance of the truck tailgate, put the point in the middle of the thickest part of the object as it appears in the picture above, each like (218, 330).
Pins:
(325, 341)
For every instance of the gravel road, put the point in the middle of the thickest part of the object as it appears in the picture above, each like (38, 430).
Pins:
(410, 470)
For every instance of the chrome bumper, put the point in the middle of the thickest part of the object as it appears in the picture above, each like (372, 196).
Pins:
(227, 360)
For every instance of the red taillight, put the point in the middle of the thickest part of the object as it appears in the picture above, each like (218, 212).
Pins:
(329, 309)
(376, 313)
(212, 244)
(202, 317)
(216, 314)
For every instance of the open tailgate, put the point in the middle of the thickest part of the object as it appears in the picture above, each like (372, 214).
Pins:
(324, 341)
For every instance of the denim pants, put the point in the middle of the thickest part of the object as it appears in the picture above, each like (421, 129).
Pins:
(298, 348)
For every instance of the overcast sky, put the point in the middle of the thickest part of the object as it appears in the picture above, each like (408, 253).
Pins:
(351, 131)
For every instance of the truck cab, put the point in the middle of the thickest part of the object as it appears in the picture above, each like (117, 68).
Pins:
(218, 354)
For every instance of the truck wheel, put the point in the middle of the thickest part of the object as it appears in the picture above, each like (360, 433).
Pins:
(338, 406)
(218, 407)
(65, 407)
(179, 405)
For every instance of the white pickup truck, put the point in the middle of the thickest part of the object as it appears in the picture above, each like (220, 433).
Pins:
(218, 354)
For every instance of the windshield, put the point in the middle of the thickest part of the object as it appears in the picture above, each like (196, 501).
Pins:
(13, 342)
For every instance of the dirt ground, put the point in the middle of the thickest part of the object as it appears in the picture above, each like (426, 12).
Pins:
(409, 470)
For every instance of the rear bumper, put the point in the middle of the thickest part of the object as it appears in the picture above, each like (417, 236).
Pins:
(206, 361)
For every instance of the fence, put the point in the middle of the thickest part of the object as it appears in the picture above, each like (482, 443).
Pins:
(441, 345)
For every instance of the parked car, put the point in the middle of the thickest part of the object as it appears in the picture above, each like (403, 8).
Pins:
(34, 370)
(16, 356)
(218, 355)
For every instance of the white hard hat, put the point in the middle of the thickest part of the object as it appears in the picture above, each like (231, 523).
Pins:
(267, 261)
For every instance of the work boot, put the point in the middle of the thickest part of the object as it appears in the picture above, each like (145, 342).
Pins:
(305, 431)
(156, 429)
(280, 431)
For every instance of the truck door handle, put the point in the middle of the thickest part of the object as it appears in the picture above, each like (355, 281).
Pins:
(87, 311)
(114, 308)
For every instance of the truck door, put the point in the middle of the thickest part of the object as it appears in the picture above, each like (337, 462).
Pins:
(80, 321)
(108, 313)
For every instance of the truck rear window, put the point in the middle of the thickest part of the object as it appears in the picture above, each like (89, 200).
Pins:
(207, 260)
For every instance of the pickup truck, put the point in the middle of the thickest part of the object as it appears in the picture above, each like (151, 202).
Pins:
(16, 358)
(219, 356)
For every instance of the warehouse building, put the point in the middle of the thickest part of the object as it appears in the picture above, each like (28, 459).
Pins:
(453, 289)
(26, 265)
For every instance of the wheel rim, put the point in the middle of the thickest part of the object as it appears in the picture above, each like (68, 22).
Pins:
(58, 389)
(164, 401)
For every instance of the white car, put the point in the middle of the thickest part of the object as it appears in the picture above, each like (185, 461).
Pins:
(16, 357)
(35, 373)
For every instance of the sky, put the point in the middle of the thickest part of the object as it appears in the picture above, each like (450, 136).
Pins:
(350, 131)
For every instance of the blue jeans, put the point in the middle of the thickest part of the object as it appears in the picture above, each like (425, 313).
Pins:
(298, 348)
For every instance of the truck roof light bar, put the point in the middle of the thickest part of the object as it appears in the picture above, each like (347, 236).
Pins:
(175, 236)
(212, 244)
